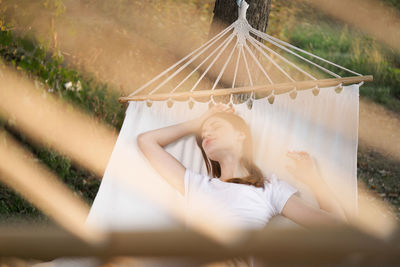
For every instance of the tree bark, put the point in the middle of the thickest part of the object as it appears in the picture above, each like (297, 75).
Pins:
(226, 12)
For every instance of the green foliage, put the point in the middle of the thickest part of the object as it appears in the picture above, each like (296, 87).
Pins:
(52, 74)
(12, 203)
(57, 6)
(83, 183)
(393, 3)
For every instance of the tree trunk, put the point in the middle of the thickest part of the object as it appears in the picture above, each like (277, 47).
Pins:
(226, 12)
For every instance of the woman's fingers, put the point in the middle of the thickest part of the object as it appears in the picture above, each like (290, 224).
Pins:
(302, 160)
(299, 155)
(223, 108)
(229, 110)
(217, 108)
(294, 155)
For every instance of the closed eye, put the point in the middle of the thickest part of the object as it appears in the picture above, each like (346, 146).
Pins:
(213, 126)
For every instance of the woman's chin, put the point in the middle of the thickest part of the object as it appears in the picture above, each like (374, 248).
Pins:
(214, 156)
(217, 154)
(211, 156)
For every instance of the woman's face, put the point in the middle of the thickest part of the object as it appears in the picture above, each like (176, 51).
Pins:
(219, 137)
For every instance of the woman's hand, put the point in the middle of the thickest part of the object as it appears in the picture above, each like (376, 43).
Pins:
(306, 171)
(304, 168)
(215, 109)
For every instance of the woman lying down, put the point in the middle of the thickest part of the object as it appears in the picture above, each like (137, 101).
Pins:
(233, 179)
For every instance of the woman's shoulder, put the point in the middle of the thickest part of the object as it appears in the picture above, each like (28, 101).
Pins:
(191, 174)
(279, 191)
(279, 185)
(274, 182)
(270, 179)
(195, 178)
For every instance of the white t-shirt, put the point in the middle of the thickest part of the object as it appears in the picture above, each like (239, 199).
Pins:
(251, 206)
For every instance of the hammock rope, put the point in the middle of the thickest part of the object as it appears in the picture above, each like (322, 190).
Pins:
(224, 67)
(244, 48)
(303, 58)
(267, 36)
(258, 45)
(202, 48)
(212, 63)
(272, 61)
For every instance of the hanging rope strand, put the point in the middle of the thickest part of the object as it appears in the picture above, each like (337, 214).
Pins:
(301, 57)
(320, 58)
(258, 64)
(269, 37)
(274, 63)
(210, 55)
(258, 45)
(212, 63)
(205, 46)
(277, 66)
(224, 67)
(236, 68)
(180, 69)
(247, 66)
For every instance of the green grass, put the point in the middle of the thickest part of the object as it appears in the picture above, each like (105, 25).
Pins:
(356, 52)
(82, 182)
(380, 173)
(392, 3)
(51, 73)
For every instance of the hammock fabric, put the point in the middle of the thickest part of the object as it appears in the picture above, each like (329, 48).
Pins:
(325, 126)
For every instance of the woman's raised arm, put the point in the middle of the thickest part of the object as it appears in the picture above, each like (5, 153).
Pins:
(152, 145)
(299, 211)
(307, 172)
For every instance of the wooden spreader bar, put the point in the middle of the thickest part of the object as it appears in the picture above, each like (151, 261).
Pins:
(279, 88)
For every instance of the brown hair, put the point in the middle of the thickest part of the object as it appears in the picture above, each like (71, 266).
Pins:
(255, 176)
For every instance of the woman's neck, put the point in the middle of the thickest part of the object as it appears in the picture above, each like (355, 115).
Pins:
(231, 167)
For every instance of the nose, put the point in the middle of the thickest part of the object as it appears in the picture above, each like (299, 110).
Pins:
(207, 134)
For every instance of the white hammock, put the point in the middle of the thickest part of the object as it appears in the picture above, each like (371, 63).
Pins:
(326, 125)
(132, 196)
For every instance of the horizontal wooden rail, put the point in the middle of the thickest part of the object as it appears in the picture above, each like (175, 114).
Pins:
(273, 245)
(279, 88)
